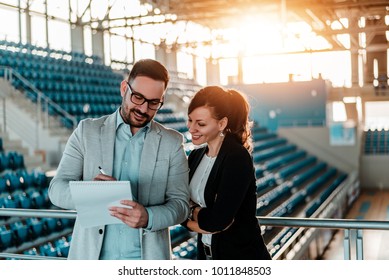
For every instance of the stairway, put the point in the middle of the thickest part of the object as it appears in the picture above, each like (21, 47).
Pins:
(37, 134)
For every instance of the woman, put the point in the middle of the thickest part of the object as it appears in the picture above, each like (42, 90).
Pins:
(222, 177)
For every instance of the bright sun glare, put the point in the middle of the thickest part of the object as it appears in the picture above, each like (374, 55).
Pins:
(271, 50)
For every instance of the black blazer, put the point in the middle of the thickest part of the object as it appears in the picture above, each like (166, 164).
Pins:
(230, 196)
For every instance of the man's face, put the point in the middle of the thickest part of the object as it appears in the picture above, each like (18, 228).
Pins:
(137, 116)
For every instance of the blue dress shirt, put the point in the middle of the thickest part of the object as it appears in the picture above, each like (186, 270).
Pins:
(122, 242)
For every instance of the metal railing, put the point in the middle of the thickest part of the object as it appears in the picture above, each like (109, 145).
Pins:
(348, 225)
(43, 106)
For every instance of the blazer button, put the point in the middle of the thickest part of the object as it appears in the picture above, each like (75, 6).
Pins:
(100, 231)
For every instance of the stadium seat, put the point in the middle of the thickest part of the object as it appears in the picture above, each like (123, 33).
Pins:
(21, 232)
(5, 237)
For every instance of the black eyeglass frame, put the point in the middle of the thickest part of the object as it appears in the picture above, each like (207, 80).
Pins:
(137, 102)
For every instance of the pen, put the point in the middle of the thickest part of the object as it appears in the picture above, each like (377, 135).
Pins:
(102, 171)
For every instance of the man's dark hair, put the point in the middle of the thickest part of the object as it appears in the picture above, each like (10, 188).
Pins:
(149, 68)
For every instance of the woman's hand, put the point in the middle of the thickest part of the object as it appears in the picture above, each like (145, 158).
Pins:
(194, 226)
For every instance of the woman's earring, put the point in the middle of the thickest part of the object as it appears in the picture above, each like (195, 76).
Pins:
(221, 134)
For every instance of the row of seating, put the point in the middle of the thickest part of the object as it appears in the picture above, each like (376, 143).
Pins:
(266, 154)
(65, 80)
(315, 204)
(57, 248)
(21, 179)
(186, 250)
(170, 118)
(29, 56)
(376, 142)
(18, 233)
(178, 234)
(278, 162)
(28, 199)
(84, 98)
(11, 160)
(286, 188)
(286, 233)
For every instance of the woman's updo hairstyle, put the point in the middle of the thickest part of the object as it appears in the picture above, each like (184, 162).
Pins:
(228, 103)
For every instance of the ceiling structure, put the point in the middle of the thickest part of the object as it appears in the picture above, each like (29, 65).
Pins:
(319, 14)
(365, 22)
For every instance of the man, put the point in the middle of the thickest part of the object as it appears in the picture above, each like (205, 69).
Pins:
(129, 145)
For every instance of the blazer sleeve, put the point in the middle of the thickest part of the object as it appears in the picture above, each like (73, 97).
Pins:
(69, 169)
(176, 207)
(235, 179)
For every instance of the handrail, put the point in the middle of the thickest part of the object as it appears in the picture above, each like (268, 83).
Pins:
(323, 223)
(8, 75)
(346, 224)
(29, 257)
(18, 212)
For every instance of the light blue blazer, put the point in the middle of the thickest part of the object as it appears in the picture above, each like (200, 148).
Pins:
(163, 183)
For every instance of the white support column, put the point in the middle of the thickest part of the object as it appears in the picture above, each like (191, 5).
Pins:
(98, 43)
(213, 72)
(77, 38)
(167, 56)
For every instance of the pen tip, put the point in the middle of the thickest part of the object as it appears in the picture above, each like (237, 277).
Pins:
(99, 167)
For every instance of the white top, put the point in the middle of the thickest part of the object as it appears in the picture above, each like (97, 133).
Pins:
(197, 186)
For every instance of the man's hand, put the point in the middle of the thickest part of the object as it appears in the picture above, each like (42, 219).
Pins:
(102, 177)
(135, 217)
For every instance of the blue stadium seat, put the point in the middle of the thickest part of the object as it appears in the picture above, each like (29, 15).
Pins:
(265, 144)
(37, 198)
(36, 226)
(13, 181)
(8, 201)
(51, 224)
(272, 152)
(178, 233)
(5, 237)
(40, 179)
(3, 184)
(21, 232)
(26, 178)
(22, 199)
(16, 160)
(62, 246)
(283, 160)
(293, 168)
(4, 162)
(31, 252)
(48, 250)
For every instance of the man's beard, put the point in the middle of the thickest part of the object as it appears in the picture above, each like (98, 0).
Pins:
(127, 118)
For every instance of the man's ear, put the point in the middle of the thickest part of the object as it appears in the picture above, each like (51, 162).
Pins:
(123, 88)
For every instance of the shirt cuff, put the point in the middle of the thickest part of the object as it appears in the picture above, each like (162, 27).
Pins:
(150, 221)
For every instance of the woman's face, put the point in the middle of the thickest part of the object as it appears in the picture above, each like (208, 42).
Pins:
(203, 127)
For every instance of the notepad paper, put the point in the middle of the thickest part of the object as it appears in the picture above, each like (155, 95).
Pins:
(93, 198)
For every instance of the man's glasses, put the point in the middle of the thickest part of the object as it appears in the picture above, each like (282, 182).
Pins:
(138, 99)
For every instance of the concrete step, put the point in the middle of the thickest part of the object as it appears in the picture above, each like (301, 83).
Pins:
(14, 145)
(35, 161)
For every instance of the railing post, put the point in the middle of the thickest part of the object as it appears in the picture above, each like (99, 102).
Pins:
(38, 118)
(359, 244)
(47, 113)
(346, 244)
(4, 116)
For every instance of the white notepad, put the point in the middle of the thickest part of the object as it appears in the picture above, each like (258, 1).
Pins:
(93, 198)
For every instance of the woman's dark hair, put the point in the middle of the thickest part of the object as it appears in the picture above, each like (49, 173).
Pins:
(149, 68)
(228, 103)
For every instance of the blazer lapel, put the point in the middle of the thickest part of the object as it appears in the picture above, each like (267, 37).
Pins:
(147, 163)
(211, 188)
(194, 163)
(107, 142)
